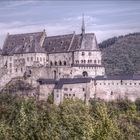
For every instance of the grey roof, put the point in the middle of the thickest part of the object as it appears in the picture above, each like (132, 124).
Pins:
(118, 77)
(46, 81)
(22, 43)
(70, 42)
(63, 81)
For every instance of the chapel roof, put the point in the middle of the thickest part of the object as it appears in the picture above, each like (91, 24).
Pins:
(70, 42)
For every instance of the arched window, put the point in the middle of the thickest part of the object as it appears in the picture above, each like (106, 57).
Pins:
(54, 72)
(64, 63)
(60, 63)
(89, 53)
(55, 63)
(51, 63)
(84, 61)
(85, 74)
(83, 53)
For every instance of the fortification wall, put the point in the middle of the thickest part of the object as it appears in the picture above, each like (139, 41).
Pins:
(114, 89)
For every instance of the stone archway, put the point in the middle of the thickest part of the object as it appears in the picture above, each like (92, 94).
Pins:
(85, 74)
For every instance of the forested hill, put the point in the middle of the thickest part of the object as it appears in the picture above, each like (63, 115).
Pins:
(121, 55)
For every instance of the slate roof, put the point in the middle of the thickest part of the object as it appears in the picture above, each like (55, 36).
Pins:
(63, 81)
(46, 81)
(118, 77)
(22, 43)
(70, 42)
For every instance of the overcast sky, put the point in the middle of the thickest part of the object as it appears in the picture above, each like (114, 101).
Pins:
(105, 18)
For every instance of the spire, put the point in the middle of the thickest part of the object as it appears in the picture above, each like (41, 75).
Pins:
(83, 25)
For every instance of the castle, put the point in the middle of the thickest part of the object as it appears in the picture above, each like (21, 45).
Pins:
(67, 66)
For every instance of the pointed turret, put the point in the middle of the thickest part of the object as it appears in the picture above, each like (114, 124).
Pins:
(83, 25)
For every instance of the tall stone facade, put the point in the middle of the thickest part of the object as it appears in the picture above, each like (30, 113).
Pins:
(67, 66)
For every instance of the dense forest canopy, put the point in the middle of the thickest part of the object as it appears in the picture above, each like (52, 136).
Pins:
(121, 55)
(29, 119)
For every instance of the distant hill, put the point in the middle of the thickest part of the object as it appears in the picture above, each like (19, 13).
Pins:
(121, 55)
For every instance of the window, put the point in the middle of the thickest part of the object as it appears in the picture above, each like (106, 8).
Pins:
(21, 69)
(51, 63)
(73, 94)
(64, 63)
(28, 59)
(60, 63)
(41, 59)
(94, 61)
(31, 58)
(44, 59)
(16, 70)
(83, 89)
(65, 89)
(98, 61)
(10, 65)
(37, 59)
(83, 53)
(89, 53)
(57, 95)
(84, 61)
(55, 63)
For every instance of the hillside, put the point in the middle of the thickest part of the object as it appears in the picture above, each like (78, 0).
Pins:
(121, 55)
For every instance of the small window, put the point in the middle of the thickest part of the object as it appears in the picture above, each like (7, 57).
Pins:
(60, 63)
(55, 63)
(73, 94)
(28, 59)
(65, 89)
(64, 63)
(21, 70)
(51, 63)
(83, 89)
(94, 61)
(16, 70)
(89, 53)
(84, 61)
(83, 53)
(41, 59)
(31, 58)
(57, 95)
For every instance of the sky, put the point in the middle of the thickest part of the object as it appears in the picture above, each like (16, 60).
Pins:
(105, 18)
